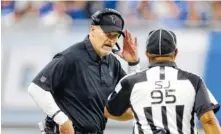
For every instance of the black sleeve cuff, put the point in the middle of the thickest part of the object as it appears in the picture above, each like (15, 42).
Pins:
(55, 114)
(215, 109)
(134, 63)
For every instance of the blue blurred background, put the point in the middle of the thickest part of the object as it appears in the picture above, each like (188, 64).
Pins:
(32, 32)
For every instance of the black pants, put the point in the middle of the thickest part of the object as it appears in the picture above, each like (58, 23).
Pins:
(76, 132)
(53, 128)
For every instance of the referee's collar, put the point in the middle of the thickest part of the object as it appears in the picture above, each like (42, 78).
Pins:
(92, 53)
(165, 63)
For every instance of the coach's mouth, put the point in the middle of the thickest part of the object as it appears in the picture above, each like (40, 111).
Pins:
(107, 47)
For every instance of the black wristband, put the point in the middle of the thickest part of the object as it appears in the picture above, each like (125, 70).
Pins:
(134, 63)
(55, 114)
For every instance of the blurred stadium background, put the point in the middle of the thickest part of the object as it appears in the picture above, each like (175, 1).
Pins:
(32, 32)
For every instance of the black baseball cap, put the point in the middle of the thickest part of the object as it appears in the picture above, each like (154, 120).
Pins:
(161, 42)
(111, 23)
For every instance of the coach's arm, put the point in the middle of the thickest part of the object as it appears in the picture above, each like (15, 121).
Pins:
(210, 123)
(127, 115)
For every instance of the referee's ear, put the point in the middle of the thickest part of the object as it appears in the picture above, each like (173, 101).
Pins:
(176, 52)
(147, 54)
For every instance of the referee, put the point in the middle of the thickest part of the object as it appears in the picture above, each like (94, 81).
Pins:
(164, 98)
(74, 87)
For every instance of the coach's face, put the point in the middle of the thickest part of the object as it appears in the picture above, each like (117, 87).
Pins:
(101, 41)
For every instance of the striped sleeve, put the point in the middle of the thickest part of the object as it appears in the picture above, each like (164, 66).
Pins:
(204, 100)
(119, 101)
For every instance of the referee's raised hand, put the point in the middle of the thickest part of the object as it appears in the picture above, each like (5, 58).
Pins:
(129, 53)
(66, 128)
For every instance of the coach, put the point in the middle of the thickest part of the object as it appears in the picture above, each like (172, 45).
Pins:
(73, 88)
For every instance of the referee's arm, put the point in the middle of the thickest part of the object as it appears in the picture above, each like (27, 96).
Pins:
(118, 107)
(210, 123)
(127, 115)
(205, 107)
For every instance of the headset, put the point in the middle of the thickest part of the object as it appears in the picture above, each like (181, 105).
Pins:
(96, 17)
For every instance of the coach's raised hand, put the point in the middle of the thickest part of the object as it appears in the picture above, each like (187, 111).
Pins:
(66, 128)
(129, 53)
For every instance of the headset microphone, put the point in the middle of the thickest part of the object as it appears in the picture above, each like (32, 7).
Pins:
(116, 50)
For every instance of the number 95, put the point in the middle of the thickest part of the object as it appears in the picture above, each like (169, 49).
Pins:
(158, 96)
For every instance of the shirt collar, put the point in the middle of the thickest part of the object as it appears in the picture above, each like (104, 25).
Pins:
(92, 53)
(165, 63)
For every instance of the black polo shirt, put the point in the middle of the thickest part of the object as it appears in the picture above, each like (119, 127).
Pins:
(80, 82)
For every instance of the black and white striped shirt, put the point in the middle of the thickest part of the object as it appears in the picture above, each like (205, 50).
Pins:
(163, 98)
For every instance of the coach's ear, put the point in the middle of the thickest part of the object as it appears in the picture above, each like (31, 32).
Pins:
(127, 115)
